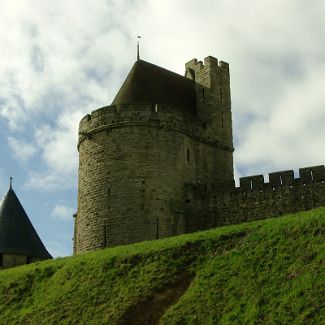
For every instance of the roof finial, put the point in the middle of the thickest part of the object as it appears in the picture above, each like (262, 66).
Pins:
(10, 185)
(138, 48)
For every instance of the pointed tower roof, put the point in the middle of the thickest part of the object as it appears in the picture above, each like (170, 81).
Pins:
(147, 83)
(17, 234)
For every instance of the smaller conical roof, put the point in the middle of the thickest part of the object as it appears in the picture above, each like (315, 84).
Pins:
(147, 83)
(17, 234)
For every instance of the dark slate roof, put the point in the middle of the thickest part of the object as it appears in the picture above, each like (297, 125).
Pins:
(147, 83)
(17, 234)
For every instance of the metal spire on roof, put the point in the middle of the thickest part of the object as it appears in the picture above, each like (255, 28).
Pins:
(10, 184)
(138, 48)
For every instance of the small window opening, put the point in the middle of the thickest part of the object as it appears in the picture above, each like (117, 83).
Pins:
(222, 119)
(203, 95)
(156, 108)
(188, 157)
(104, 234)
(221, 99)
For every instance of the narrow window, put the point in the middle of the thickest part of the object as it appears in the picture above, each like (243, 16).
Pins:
(156, 108)
(188, 157)
(222, 120)
(105, 238)
(221, 95)
(203, 93)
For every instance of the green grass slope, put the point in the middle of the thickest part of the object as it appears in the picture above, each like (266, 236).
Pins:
(264, 272)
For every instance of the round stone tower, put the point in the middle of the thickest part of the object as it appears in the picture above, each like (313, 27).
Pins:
(162, 132)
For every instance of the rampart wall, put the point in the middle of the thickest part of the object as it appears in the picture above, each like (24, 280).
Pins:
(212, 206)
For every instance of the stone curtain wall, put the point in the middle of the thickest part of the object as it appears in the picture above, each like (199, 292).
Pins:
(254, 199)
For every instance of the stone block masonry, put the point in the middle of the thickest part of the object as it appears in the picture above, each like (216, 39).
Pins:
(134, 161)
(254, 199)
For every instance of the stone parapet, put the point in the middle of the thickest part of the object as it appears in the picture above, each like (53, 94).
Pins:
(161, 116)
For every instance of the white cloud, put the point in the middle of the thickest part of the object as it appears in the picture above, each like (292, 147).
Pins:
(50, 180)
(60, 60)
(62, 212)
(22, 150)
(59, 142)
(293, 134)
(57, 56)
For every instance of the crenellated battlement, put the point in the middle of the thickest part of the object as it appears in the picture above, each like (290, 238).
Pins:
(256, 184)
(307, 175)
(221, 204)
(210, 63)
(211, 74)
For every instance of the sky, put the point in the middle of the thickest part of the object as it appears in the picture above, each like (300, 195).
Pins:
(61, 59)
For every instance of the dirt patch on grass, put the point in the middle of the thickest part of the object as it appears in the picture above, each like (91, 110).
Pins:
(150, 311)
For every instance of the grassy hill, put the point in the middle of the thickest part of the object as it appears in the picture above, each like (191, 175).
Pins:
(265, 272)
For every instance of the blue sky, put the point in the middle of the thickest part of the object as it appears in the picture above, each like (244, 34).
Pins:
(62, 59)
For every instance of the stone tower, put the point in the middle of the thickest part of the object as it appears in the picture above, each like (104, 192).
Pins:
(162, 133)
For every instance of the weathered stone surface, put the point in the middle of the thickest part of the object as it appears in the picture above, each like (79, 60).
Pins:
(209, 208)
(135, 160)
